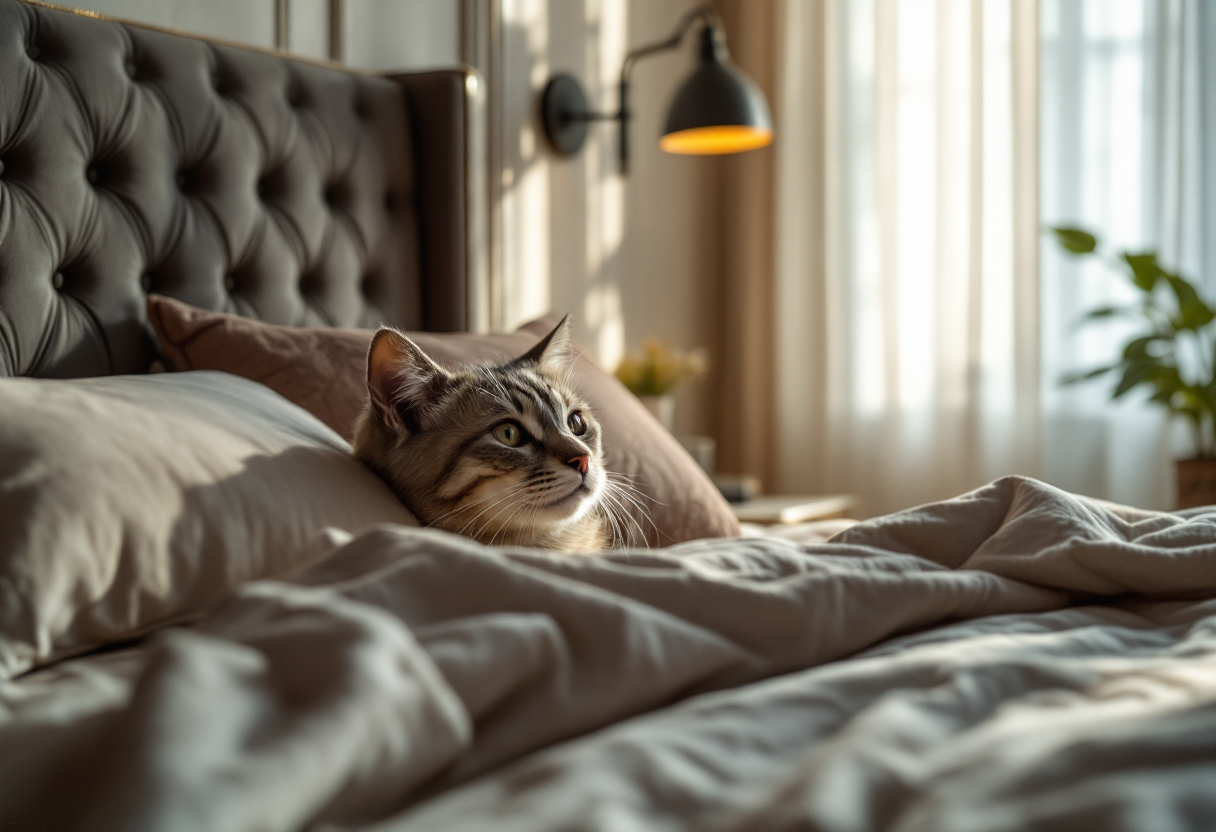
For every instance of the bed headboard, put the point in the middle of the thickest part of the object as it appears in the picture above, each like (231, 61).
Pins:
(133, 160)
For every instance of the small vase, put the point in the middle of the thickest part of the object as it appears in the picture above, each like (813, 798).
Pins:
(1196, 482)
(664, 409)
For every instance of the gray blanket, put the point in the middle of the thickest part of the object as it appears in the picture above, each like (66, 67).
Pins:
(1016, 658)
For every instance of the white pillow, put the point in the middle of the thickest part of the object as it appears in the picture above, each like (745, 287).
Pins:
(131, 502)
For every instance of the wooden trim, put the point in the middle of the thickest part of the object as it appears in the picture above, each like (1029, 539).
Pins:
(337, 30)
(282, 24)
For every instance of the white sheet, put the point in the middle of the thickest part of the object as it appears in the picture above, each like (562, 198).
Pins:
(1020, 658)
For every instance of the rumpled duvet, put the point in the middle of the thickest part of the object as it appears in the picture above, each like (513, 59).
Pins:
(1016, 658)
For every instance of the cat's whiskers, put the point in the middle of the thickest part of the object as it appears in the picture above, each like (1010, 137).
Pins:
(632, 485)
(531, 525)
(616, 515)
(510, 492)
(529, 487)
(632, 496)
(506, 526)
(625, 489)
(505, 398)
(570, 369)
(608, 514)
(619, 494)
(463, 507)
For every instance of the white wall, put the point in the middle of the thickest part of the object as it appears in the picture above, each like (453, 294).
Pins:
(630, 256)
(377, 34)
(244, 21)
(669, 269)
(386, 35)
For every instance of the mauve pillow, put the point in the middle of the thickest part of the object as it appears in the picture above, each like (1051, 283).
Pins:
(324, 371)
(132, 502)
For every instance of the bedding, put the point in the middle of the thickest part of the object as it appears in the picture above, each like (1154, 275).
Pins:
(324, 371)
(1016, 658)
(131, 502)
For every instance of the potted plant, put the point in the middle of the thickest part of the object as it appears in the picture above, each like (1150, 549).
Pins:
(654, 371)
(1173, 357)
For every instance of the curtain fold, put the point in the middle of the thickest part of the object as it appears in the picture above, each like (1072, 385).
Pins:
(904, 244)
(895, 320)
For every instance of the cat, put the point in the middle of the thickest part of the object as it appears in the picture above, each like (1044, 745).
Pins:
(505, 453)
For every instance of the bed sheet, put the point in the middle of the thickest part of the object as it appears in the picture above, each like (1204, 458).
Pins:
(1017, 658)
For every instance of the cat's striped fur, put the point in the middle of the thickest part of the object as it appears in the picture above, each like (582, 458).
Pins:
(505, 453)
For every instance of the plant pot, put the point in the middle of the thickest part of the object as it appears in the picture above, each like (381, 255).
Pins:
(664, 409)
(1196, 482)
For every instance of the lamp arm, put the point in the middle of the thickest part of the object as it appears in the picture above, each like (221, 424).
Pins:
(704, 13)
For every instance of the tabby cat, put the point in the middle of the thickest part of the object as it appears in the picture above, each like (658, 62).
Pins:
(504, 453)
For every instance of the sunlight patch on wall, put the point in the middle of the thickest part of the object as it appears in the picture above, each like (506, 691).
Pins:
(525, 205)
(604, 49)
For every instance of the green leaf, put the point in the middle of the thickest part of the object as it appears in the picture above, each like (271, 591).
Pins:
(1109, 312)
(1207, 396)
(1166, 379)
(1135, 374)
(1193, 313)
(1188, 400)
(1145, 270)
(1138, 348)
(1086, 375)
(1076, 240)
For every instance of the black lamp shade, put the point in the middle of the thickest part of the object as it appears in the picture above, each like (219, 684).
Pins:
(718, 109)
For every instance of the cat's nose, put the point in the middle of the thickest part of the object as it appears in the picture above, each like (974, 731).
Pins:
(579, 463)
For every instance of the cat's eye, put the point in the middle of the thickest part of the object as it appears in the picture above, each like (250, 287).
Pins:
(509, 434)
(577, 426)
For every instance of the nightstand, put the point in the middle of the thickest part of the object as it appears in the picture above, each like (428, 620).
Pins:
(783, 509)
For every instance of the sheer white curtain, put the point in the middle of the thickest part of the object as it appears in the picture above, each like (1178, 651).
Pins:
(923, 145)
(906, 247)
(1128, 137)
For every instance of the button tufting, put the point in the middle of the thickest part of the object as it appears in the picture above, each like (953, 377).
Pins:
(331, 194)
(1, 167)
(33, 52)
(92, 174)
(146, 282)
(230, 283)
(131, 68)
(263, 188)
(57, 280)
(182, 180)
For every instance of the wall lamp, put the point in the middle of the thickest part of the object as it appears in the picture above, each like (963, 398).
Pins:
(717, 110)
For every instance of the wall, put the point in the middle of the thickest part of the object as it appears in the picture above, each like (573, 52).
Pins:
(631, 256)
(377, 34)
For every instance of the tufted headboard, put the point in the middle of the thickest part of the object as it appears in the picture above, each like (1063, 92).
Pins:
(133, 160)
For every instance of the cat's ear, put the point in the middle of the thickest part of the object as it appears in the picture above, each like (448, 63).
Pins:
(554, 351)
(403, 384)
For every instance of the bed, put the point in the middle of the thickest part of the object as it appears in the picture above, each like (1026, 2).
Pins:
(212, 617)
